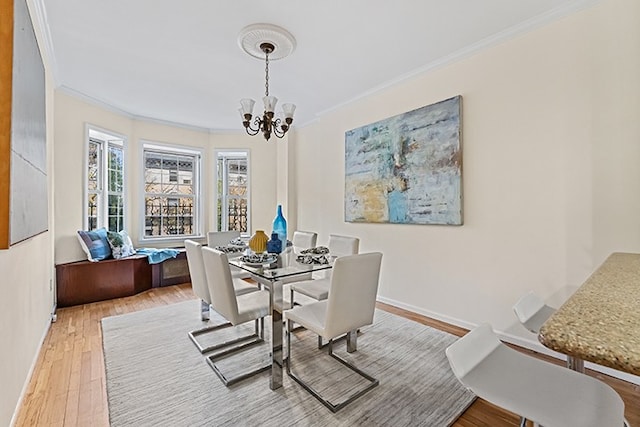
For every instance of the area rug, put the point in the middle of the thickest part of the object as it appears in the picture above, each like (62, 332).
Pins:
(157, 377)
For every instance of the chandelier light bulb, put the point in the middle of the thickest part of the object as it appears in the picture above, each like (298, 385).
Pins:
(270, 103)
(247, 106)
(288, 110)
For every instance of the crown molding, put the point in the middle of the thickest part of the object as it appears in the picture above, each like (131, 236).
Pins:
(488, 42)
(109, 107)
(39, 13)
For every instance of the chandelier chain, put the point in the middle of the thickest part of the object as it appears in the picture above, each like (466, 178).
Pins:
(266, 74)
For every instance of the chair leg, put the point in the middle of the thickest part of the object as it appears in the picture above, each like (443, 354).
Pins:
(256, 338)
(333, 407)
(352, 341)
(205, 310)
(291, 296)
(197, 332)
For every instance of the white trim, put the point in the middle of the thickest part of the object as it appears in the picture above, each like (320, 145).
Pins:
(104, 198)
(512, 339)
(39, 12)
(433, 315)
(171, 148)
(467, 51)
(215, 177)
(25, 387)
(110, 107)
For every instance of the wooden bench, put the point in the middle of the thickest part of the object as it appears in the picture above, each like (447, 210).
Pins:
(83, 282)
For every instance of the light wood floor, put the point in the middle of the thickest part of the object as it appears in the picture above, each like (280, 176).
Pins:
(68, 383)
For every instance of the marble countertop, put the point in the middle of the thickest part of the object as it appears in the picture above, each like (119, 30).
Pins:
(600, 323)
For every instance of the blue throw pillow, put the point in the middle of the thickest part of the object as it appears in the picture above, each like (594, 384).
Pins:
(95, 244)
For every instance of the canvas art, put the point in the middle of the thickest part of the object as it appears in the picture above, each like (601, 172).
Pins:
(406, 169)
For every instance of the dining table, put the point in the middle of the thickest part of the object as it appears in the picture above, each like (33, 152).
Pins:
(600, 322)
(272, 275)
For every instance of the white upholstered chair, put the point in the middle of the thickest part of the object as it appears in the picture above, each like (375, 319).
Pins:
(237, 309)
(318, 289)
(303, 240)
(200, 287)
(222, 238)
(546, 394)
(350, 305)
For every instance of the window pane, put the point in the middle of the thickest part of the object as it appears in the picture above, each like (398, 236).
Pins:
(92, 211)
(93, 169)
(115, 213)
(233, 191)
(105, 180)
(170, 202)
(116, 169)
(169, 174)
(237, 214)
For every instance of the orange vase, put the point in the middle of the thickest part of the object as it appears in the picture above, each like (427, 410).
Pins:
(258, 242)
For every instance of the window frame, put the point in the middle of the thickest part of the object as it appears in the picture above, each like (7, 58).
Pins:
(217, 197)
(198, 218)
(103, 191)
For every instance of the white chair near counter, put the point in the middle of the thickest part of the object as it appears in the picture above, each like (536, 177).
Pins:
(237, 309)
(544, 393)
(351, 305)
(532, 311)
(200, 287)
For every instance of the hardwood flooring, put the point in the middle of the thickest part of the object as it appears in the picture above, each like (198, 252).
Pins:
(68, 383)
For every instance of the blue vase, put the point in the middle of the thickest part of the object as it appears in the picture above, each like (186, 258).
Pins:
(280, 227)
(274, 245)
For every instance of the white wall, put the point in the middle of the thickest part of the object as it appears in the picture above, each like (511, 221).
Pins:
(550, 178)
(71, 115)
(26, 302)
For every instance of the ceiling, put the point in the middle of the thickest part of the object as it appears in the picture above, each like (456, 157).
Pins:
(180, 62)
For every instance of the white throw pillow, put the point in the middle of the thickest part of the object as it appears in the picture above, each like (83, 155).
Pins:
(121, 245)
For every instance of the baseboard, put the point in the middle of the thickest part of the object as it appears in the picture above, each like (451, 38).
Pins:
(428, 313)
(14, 418)
(532, 344)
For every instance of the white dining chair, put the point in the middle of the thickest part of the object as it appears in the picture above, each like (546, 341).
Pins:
(544, 393)
(237, 309)
(222, 238)
(350, 305)
(303, 240)
(318, 289)
(200, 287)
(300, 241)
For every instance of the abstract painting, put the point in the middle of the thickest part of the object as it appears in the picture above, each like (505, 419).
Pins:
(406, 169)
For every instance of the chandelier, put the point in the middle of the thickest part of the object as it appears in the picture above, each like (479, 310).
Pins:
(269, 42)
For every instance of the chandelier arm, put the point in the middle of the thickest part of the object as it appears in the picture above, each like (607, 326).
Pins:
(253, 131)
(277, 131)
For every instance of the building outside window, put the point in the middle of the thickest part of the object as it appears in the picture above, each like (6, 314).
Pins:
(171, 191)
(104, 196)
(232, 191)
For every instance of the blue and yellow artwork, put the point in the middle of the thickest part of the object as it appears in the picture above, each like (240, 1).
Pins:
(406, 169)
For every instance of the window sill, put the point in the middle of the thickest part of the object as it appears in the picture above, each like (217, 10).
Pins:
(168, 241)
